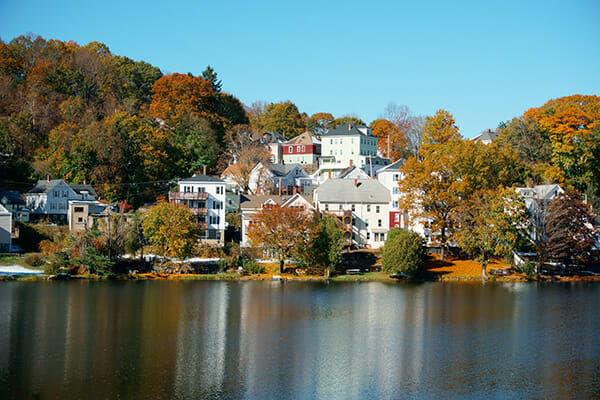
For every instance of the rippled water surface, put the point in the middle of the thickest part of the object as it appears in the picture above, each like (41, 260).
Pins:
(271, 340)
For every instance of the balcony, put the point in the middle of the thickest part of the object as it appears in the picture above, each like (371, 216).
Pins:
(199, 211)
(188, 196)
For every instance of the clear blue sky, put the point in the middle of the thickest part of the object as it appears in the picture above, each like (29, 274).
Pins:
(484, 61)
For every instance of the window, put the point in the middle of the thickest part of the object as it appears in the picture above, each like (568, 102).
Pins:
(376, 237)
(382, 237)
(377, 209)
(353, 207)
(368, 208)
(303, 149)
(379, 223)
(78, 209)
(326, 207)
(396, 217)
(291, 149)
(330, 141)
(55, 194)
(80, 219)
(297, 149)
(368, 235)
(64, 193)
(340, 207)
(52, 206)
(62, 206)
(367, 222)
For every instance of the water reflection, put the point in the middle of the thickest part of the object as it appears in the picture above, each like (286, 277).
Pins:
(259, 340)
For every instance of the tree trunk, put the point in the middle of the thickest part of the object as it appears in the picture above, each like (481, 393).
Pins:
(281, 262)
(442, 253)
(483, 274)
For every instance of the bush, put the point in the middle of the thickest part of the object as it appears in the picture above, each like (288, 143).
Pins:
(250, 267)
(56, 262)
(403, 252)
(35, 259)
(529, 269)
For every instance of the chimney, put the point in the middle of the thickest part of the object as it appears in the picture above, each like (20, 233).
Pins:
(351, 162)
(48, 178)
(355, 182)
(349, 127)
(281, 161)
(84, 182)
(204, 172)
(295, 189)
(329, 173)
(372, 176)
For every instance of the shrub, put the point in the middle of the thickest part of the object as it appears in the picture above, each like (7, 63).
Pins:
(529, 269)
(56, 262)
(34, 259)
(403, 252)
(250, 267)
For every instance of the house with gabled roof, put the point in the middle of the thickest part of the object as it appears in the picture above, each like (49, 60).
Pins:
(304, 149)
(14, 202)
(5, 230)
(362, 205)
(251, 204)
(486, 137)
(50, 198)
(205, 197)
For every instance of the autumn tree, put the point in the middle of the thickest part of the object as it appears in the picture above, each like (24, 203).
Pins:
(171, 229)
(284, 118)
(569, 124)
(318, 123)
(570, 231)
(432, 189)
(493, 223)
(255, 115)
(392, 141)
(283, 231)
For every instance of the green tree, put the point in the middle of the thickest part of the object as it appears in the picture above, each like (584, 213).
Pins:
(284, 118)
(346, 121)
(326, 245)
(318, 123)
(171, 229)
(210, 75)
(403, 252)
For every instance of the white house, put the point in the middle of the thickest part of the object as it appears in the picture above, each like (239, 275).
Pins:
(361, 205)
(537, 199)
(205, 196)
(345, 143)
(13, 202)
(389, 177)
(5, 230)
(50, 198)
(251, 204)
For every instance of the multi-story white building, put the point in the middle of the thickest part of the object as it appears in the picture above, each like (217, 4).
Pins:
(389, 177)
(361, 204)
(50, 198)
(345, 143)
(205, 196)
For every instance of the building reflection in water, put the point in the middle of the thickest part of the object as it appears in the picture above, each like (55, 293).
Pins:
(259, 340)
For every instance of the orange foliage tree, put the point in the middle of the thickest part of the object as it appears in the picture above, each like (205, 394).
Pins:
(283, 231)
(572, 125)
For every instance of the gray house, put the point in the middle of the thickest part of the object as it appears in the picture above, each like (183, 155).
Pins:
(5, 230)
(50, 198)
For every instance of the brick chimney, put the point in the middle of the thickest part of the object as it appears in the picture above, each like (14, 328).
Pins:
(351, 162)
(349, 127)
(47, 178)
(329, 173)
(355, 182)
(204, 170)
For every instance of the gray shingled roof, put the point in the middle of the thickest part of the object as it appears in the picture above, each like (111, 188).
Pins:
(486, 135)
(395, 166)
(44, 186)
(248, 201)
(12, 197)
(344, 191)
(202, 178)
(345, 130)
(282, 169)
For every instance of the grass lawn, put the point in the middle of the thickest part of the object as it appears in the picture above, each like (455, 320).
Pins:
(14, 260)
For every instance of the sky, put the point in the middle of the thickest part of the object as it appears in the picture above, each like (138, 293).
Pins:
(483, 61)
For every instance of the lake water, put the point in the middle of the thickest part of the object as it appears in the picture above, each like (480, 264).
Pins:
(271, 340)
